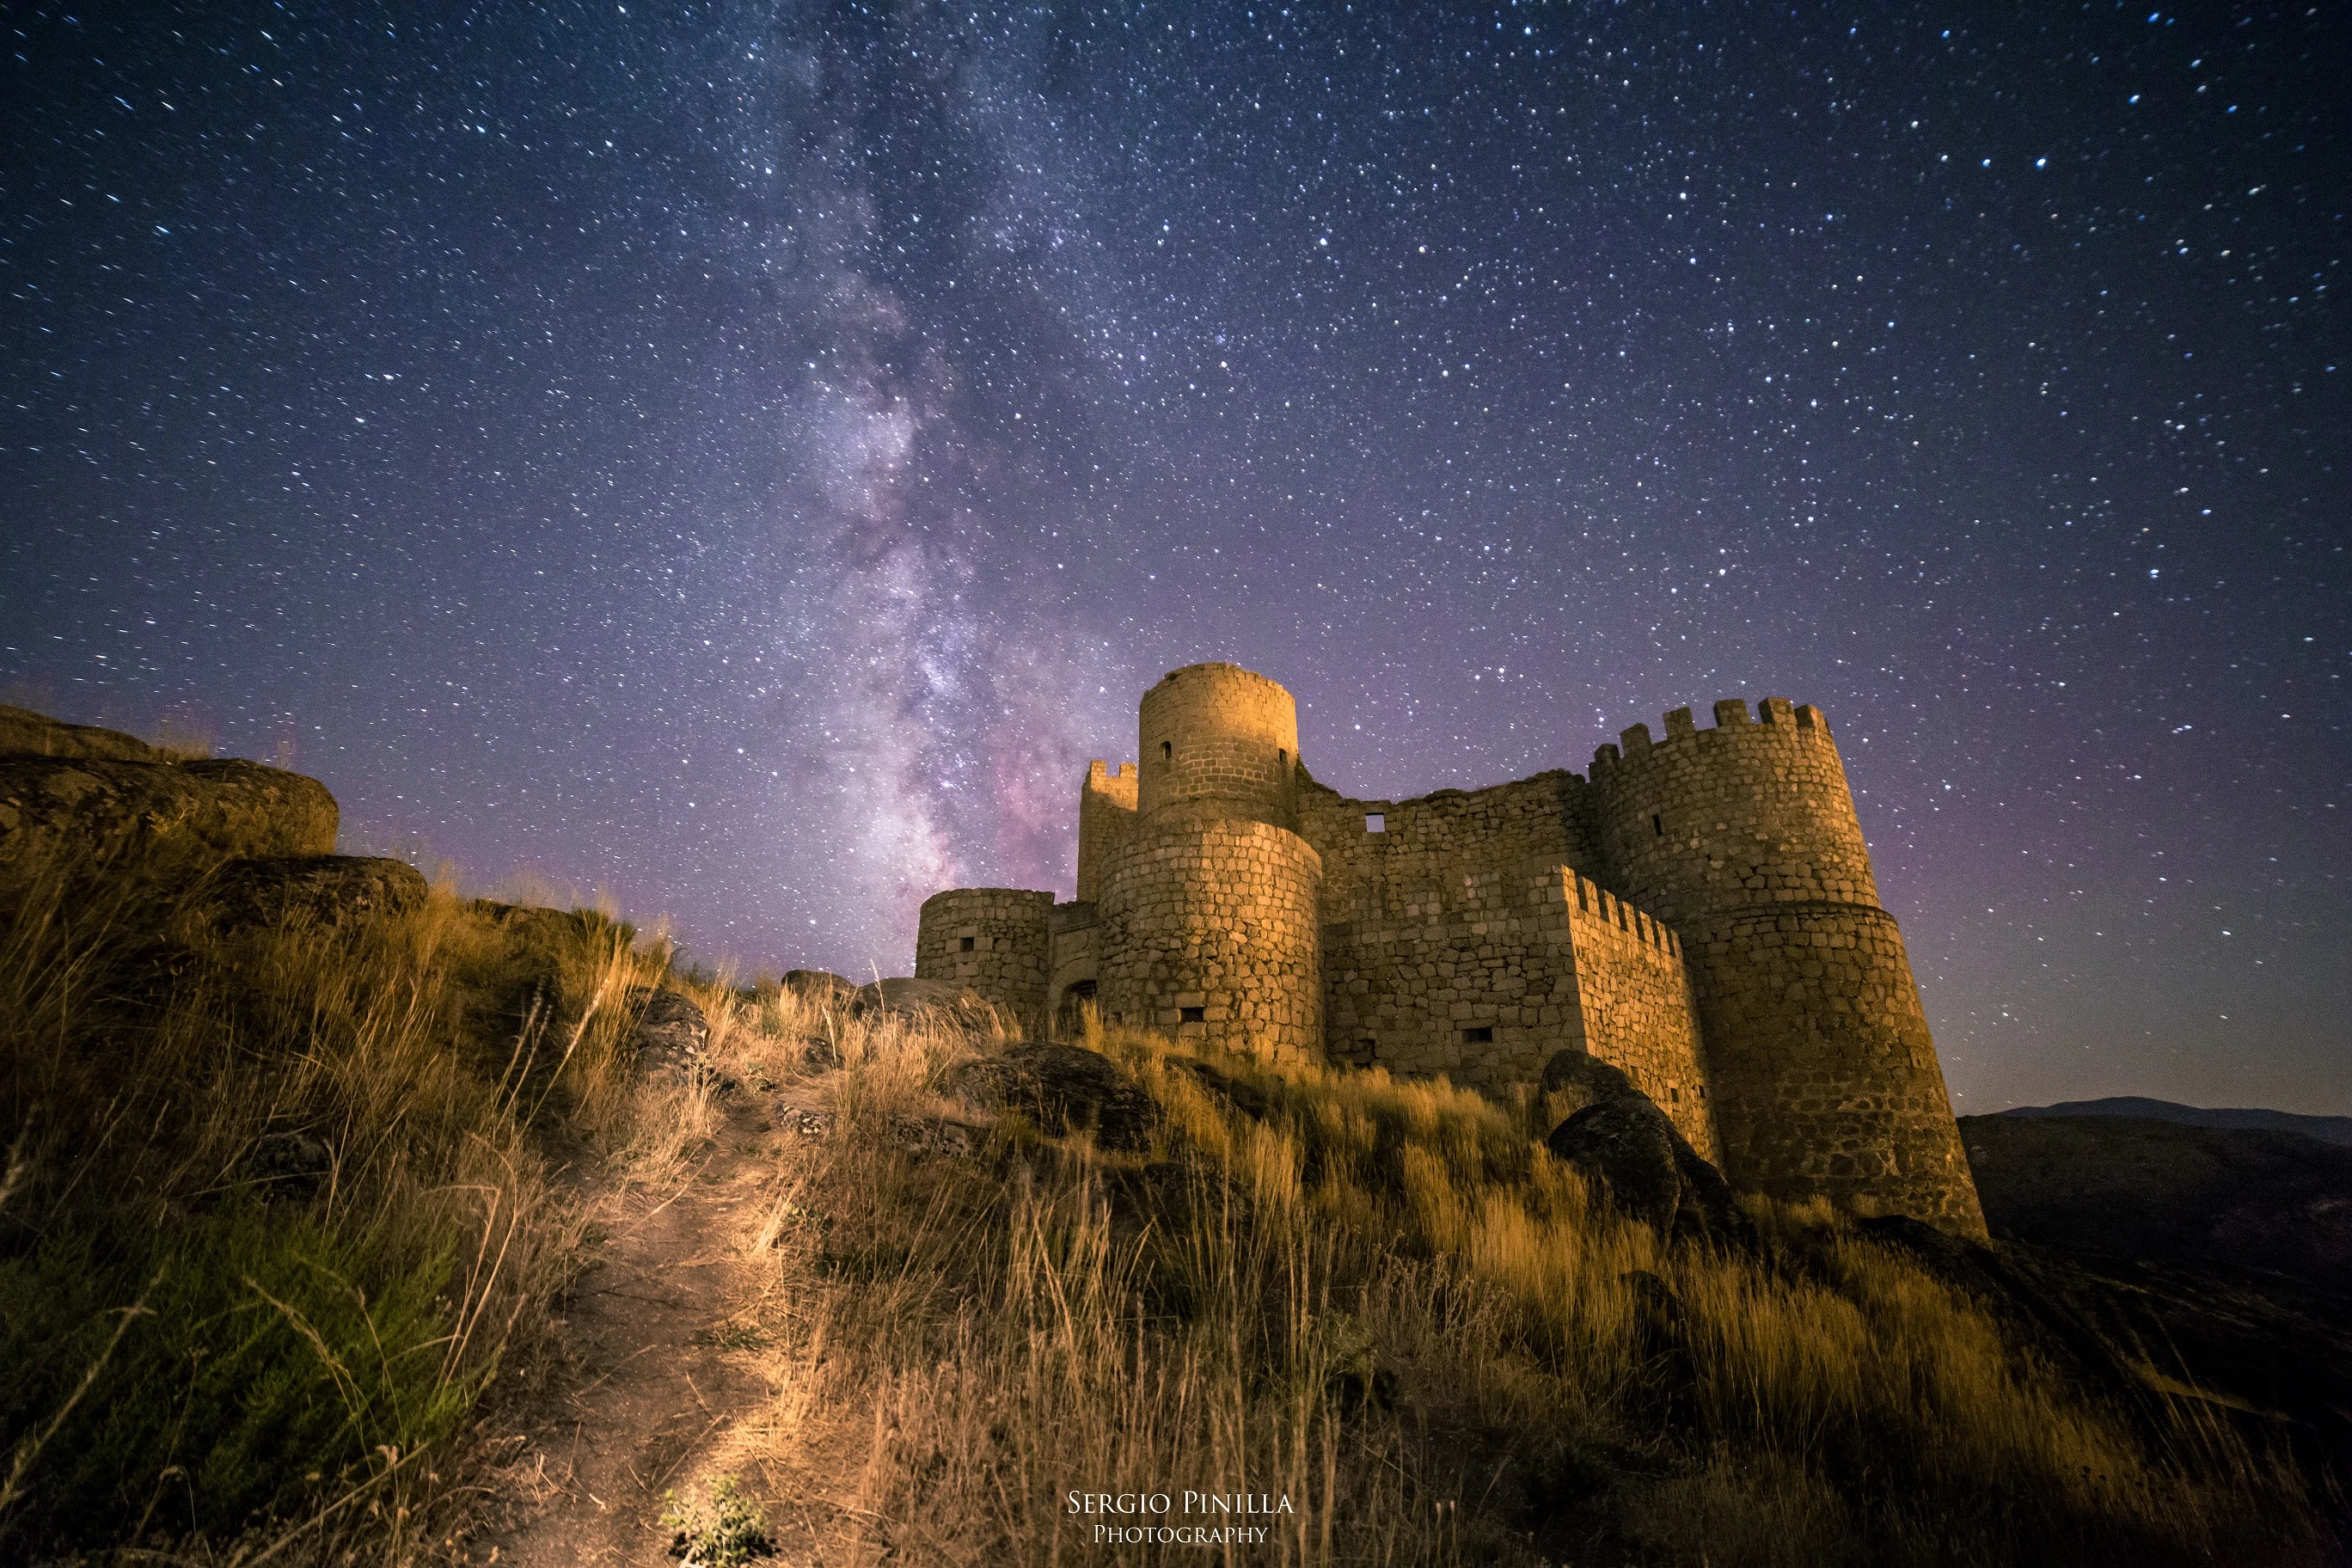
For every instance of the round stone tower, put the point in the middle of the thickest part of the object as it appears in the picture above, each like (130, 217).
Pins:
(1211, 907)
(993, 940)
(1744, 838)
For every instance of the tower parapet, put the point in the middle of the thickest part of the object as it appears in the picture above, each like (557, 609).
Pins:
(1218, 742)
(1743, 836)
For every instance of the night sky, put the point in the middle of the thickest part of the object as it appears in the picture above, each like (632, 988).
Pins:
(747, 458)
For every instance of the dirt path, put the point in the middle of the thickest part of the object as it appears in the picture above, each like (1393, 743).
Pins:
(665, 1334)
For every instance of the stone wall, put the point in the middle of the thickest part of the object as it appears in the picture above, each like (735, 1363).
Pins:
(1635, 1007)
(1485, 983)
(994, 941)
(1105, 817)
(1825, 1079)
(1217, 741)
(1209, 932)
(1427, 846)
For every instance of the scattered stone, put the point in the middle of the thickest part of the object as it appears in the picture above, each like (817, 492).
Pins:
(803, 1123)
(920, 1136)
(323, 889)
(818, 1054)
(1063, 1088)
(289, 1164)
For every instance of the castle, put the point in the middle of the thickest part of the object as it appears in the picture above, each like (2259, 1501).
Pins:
(1699, 911)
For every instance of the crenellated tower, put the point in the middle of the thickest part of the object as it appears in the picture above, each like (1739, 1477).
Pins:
(1744, 838)
(1210, 901)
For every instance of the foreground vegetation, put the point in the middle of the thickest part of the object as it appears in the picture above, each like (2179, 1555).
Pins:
(1386, 1303)
(280, 1211)
(286, 1225)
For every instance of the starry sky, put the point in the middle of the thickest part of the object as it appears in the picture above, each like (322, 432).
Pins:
(746, 458)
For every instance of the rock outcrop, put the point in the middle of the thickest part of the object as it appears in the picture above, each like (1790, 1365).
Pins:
(903, 997)
(75, 798)
(322, 889)
(24, 733)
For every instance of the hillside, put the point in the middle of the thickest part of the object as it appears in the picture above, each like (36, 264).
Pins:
(2191, 1196)
(2327, 1129)
(349, 1220)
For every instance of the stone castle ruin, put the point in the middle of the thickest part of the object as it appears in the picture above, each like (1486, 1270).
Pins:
(1699, 911)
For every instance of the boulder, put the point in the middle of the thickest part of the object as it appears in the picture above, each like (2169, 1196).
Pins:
(25, 733)
(73, 813)
(323, 889)
(1585, 1078)
(1062, 1088)
(287, 1164)
(820, 986)
(902, 997)
(1630, 1149)
(1626, 1146)
(819, 1053)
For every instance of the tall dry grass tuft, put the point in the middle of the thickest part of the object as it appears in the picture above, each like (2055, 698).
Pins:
(282, 1212)
(1381, 1308)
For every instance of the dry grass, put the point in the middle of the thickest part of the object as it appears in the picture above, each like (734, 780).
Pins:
(960, 1343)
(272, 1362)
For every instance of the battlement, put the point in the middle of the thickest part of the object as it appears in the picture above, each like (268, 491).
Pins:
(1589, 901)
(1111, 780)
(1777, 718)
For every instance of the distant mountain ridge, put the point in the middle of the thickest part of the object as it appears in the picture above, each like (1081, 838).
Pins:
(2327, 1129)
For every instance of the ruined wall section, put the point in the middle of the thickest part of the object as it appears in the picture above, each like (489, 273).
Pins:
(1825, 1082)
(1105, 821)
(1209, 932)
(1428, 846)
(994, 940)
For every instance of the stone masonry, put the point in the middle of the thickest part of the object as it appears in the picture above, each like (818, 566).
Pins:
(1698, 911)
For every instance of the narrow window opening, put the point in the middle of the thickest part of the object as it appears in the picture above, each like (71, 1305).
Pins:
(1167, 751)
(1191, 1014)
(966, 945)
(1484, 1035)
(1657, 824)
(1281, 757)
(1375, 822)
(1673, 1095)
(1702, 1091)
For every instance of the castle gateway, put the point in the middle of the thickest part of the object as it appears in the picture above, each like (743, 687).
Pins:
(1699, 911)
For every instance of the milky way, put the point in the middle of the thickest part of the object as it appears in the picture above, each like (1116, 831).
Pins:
(748, 459)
